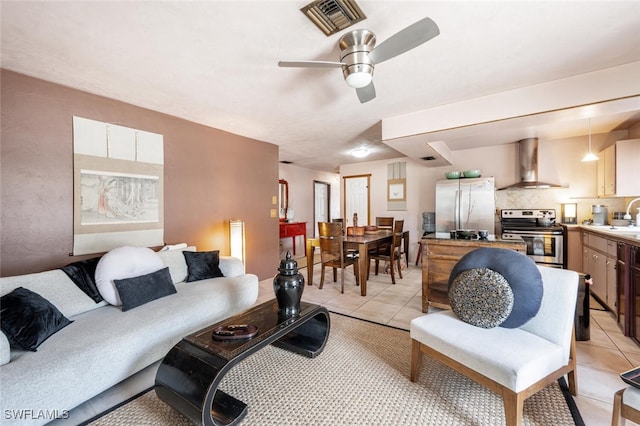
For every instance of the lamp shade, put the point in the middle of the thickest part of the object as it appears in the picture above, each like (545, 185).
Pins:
(570, 213)
(236, 239)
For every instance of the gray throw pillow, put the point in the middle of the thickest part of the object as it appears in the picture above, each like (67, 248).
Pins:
(481, 297)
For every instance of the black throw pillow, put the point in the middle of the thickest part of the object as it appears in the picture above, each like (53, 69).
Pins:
(83, 273)
(139, 290)
(28, 319)
(203, 265)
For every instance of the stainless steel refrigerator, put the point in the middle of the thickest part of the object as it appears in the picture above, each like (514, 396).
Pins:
(465, 204)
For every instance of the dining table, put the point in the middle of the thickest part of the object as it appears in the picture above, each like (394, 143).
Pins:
(361, 243)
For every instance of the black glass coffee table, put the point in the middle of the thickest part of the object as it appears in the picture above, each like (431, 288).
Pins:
(189, 375)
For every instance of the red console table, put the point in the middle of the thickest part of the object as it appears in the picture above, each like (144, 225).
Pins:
(294, 229)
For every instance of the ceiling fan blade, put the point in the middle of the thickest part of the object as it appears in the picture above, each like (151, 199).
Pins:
(412, 36)
(310, 64)
(366, 93)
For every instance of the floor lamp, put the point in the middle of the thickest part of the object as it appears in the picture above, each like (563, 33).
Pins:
(236, 239)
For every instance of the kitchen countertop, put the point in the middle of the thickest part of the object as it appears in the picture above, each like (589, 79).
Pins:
(629, 234)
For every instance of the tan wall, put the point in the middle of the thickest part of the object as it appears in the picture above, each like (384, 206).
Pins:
(210, 176)
(301, 194)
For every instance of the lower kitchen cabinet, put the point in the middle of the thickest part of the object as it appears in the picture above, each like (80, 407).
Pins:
(600, 261)
(621, 280)
(634, 284)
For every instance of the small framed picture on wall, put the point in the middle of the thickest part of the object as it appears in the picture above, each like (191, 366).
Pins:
(396, 190)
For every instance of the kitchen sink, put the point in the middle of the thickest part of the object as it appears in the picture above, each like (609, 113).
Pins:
(626, 231)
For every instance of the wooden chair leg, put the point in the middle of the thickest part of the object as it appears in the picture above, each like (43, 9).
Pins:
(377, 264)
(416, 360)
(572, 382)
(321, 277)
(356, 272)
(393, 277)
(399, 267)
(572, 377)
(617, 407)
(335, 275)
(513, 407)
(341, 280)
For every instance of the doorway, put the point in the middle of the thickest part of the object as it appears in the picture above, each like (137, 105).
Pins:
(356, 199)
(321, 203)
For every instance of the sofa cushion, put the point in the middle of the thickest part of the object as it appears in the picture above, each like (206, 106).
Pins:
(55, 286)
(174, 259)
(124, 262)
(203, 265)
(523, 357)
(139, 290)
(83, 273)
(518, 269)
(481, 297)
(29, 319)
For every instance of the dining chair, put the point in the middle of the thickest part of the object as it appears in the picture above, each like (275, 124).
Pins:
(384, 223)
(332, 253)
(391, 253)
(341, 222)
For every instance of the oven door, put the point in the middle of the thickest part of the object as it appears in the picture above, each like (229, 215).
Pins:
(544, 248)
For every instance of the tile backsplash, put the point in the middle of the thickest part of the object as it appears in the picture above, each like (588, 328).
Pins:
(553, 198)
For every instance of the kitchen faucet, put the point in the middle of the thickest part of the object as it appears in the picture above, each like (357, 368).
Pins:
(628, 216)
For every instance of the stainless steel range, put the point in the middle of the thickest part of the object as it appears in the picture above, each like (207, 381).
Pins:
(538, 229)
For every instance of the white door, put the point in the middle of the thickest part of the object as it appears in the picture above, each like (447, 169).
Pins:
(320, 204)
(356, 199)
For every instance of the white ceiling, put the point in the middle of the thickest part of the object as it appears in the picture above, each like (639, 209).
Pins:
(215, 63)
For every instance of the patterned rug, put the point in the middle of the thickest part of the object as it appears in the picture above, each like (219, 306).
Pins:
(361, 378)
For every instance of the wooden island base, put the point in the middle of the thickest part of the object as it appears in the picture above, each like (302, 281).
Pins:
(439, 256)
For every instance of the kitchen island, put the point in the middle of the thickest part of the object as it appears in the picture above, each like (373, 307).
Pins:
(440, 254)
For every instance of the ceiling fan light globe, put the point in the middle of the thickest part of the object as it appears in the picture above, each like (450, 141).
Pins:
(359, 79)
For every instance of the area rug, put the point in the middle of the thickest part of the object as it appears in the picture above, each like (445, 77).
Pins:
(361, 378)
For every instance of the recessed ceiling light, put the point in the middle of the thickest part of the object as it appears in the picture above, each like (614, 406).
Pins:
(360, 152)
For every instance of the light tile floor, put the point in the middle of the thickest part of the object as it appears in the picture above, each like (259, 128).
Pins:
(600, 359)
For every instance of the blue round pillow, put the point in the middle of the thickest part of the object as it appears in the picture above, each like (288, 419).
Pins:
(521, 273)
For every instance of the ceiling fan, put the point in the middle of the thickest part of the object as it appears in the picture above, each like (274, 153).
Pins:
(358, 57)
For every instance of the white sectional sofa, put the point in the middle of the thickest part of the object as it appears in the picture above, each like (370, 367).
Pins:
(105, 345)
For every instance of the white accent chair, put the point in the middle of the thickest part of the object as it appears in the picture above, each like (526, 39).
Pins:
(626, 405)
(514, 363)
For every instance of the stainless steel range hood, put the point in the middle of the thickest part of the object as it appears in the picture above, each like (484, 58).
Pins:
(528, 167)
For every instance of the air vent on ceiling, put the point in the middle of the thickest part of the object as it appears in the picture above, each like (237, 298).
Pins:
(332, 16)
(286, 162)
(429, 158)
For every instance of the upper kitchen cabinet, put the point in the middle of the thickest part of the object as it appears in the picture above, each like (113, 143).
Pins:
(619, 171)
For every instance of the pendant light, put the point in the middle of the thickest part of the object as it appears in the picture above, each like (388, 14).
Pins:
(590, 155)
